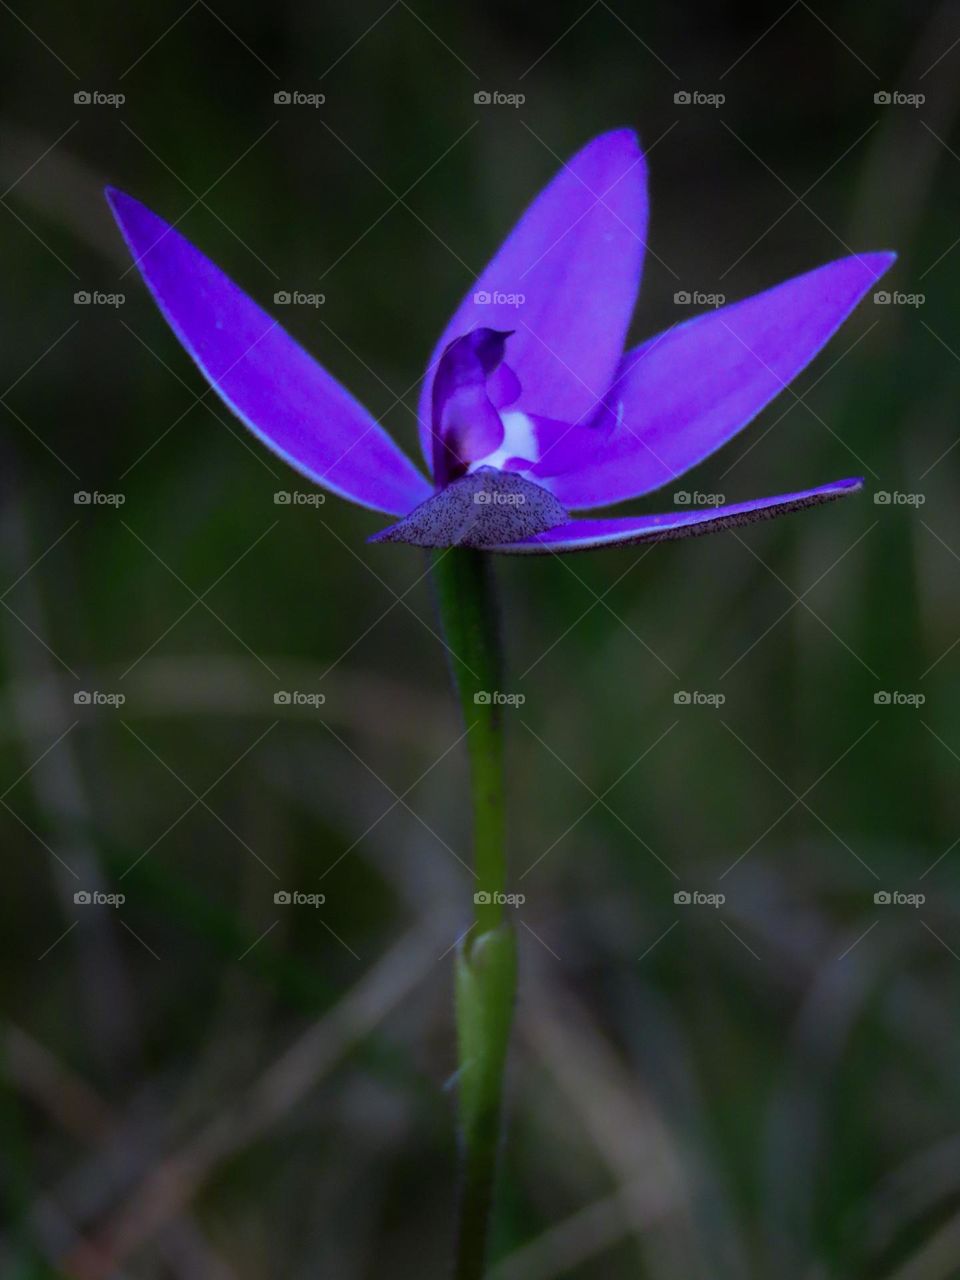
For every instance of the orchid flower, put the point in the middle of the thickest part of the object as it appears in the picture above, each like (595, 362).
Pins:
(530, 408)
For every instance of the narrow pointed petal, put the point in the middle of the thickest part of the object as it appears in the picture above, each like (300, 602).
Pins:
(574, 259)
(266, 378)
(686, 392)
(585, 535)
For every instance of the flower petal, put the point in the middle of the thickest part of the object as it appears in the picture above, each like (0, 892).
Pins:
(266, 378)
(584, 535)
(574, 258)
(687, 391)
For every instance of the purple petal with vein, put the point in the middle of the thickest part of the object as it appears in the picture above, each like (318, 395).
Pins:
(584, 535)
(575, 258)
(687, 391)
(266, 378)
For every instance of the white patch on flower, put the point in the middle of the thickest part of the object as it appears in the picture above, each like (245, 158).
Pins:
(519, 441)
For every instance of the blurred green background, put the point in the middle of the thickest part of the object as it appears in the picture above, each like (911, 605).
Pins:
(203, 1082)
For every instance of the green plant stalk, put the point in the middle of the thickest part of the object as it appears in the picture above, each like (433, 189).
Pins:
(486, 965)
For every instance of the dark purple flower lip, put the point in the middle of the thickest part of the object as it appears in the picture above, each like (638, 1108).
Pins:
(486, 508)
(541, 394)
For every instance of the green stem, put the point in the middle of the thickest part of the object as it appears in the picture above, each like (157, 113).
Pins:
(485, 984)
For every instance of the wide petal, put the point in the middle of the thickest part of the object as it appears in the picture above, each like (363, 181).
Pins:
(266, 378)
(565, 281)
(585, 535)
(686, 392)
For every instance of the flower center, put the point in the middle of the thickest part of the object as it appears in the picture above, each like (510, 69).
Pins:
(519, 444)
(474, 426)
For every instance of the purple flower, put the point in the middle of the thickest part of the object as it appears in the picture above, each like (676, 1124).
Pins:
(530, 407)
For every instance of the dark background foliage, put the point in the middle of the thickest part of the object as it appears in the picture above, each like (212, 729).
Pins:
(202, 1082)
